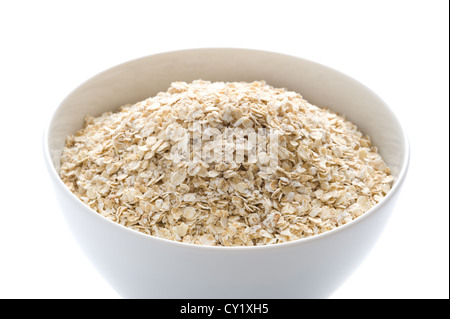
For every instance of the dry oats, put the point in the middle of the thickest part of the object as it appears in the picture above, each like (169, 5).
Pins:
(227, 164)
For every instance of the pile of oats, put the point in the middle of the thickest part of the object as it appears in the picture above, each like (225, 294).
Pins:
(227, 164)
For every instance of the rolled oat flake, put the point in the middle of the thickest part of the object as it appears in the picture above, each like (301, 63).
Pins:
(226, 164)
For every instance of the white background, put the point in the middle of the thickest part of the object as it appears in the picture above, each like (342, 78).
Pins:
(397, 48)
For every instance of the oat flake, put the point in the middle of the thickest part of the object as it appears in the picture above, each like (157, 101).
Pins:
(133, 166)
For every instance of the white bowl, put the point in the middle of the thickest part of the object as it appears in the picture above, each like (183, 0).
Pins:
(141, 266)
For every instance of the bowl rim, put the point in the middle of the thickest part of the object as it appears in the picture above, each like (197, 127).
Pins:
(302, 241)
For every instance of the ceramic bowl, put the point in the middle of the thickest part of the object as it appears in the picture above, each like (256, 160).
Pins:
(141, 266)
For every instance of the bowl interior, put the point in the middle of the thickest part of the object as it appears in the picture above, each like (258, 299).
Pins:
(144, 77)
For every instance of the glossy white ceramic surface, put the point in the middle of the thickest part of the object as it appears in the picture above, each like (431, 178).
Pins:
(141, 266)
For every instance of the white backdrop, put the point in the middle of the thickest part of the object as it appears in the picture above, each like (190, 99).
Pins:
(397, 48)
